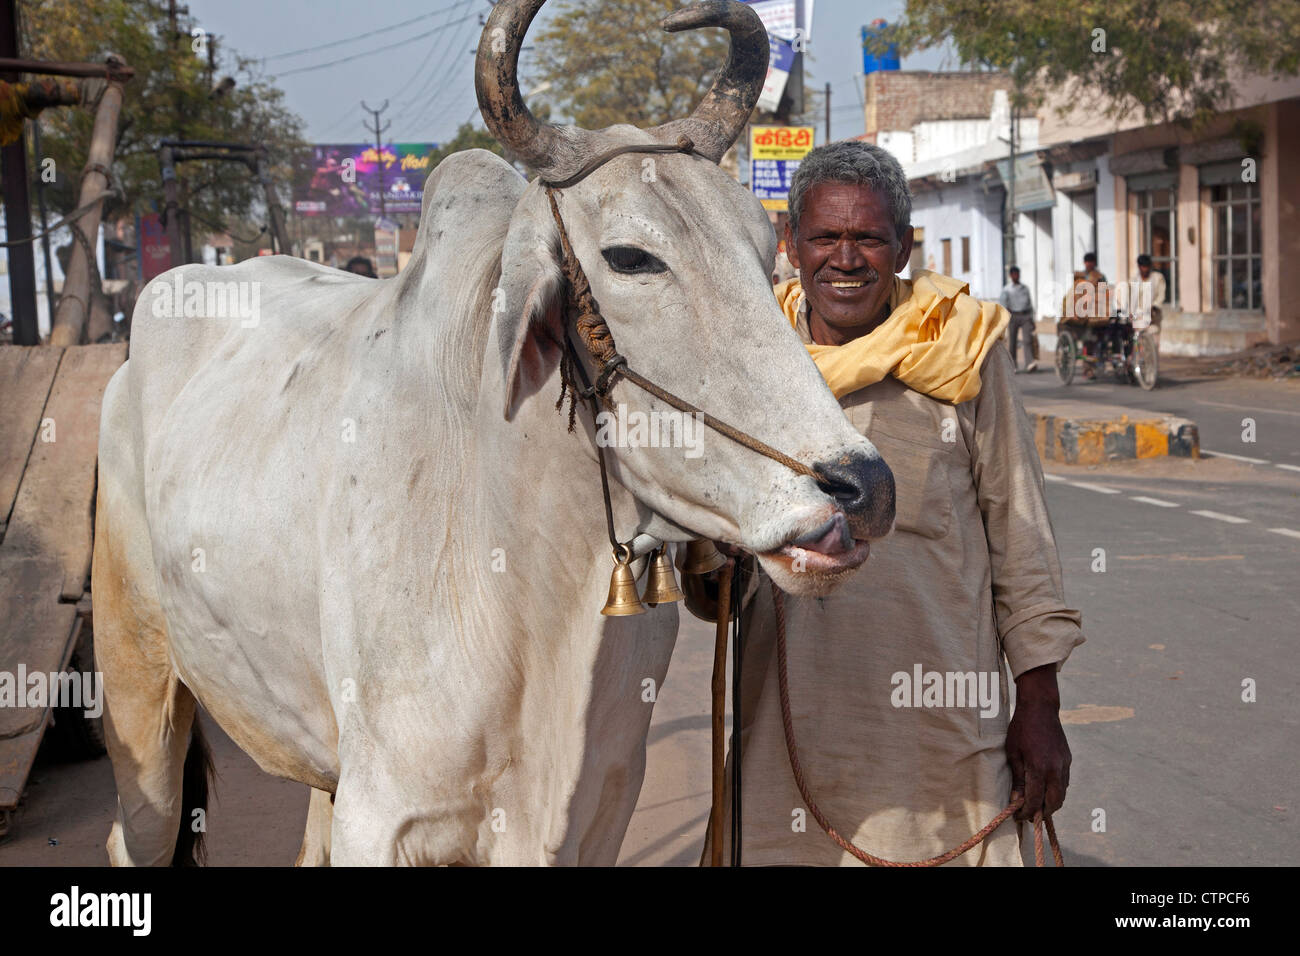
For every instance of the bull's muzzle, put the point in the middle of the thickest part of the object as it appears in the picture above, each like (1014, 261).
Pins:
(863, 486)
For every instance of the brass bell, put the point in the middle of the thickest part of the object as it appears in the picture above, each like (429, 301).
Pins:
(661, 585)
(623, 599)
(700, 557)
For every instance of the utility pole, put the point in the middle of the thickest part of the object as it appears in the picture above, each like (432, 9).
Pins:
(828, 115)
(379, 150)
(18, 210)
(184, 232)
(1011, 206)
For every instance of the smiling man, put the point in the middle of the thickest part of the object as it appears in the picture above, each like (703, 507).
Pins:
(899, 681)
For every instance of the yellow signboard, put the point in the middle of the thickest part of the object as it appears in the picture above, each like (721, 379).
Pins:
(774, 155)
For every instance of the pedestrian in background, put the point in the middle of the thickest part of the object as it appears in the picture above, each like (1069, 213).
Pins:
(1150, 296)
(1016, 300)
(361, 266)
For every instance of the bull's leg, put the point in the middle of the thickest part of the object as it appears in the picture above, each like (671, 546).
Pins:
(316, 839)
(148, 712)
(380, 820)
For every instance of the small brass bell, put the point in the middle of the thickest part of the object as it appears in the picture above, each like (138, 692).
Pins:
(661, 585)
(700, 557)
(623, 599)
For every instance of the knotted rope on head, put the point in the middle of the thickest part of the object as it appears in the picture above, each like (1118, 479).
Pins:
(583, 311)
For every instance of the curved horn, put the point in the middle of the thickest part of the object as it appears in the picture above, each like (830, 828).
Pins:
(725, 109)
(554, 151)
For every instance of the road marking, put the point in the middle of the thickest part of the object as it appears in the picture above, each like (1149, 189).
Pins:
(1154, 501)
(1231, 519)
(1047, 477)
(1100, 489)
(1180, 557)
(1247, 408)
(1094, 714)
(1290, 467)
(1224, 454)
(1286, 531)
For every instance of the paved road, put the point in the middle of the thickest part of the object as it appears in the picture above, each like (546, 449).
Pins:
(1188, 607)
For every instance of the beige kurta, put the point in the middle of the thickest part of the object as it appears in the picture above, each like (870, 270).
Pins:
(969, 581)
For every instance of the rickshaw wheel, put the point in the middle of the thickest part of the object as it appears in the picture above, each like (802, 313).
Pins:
(1067, 356)
(1146, 361)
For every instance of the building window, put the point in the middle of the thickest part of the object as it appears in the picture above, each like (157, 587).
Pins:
(1156, 211)
(965, 253)
(947, 256)
(1237, 255)
(918, 256)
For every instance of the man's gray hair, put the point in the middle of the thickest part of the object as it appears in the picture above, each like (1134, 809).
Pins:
(858, 163)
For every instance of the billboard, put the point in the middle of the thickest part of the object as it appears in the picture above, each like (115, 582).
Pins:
(345, 179)
(789, 29)
(774, 154)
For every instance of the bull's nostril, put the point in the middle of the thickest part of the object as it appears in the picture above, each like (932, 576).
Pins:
(839, 488)
(860, 485)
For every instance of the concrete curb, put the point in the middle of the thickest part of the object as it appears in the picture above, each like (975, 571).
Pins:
(1092, 435)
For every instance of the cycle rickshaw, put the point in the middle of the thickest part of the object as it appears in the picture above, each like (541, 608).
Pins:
(1105, 343)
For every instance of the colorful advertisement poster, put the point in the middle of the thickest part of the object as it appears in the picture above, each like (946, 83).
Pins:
(345, 179)
(774, 154)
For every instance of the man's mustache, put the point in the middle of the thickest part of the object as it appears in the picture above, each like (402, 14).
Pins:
(871, 275)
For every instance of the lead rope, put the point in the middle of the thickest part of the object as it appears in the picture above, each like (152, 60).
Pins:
(1017, 800)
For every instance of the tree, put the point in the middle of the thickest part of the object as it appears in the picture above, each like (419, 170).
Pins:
(467, 137)
(177, 93)
(1168, 59)
(608, 62)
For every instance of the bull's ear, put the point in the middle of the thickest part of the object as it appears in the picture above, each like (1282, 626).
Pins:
(528, 307)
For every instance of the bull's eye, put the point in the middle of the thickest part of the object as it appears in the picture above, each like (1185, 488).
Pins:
(629, 260)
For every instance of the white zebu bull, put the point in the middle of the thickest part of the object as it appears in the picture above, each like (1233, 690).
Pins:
(298, 522)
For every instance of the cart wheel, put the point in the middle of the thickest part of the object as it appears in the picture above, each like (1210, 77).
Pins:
(1067, 356)
(73, 735)
(1146, 363)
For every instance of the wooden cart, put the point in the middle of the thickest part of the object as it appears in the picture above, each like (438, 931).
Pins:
(49, 435)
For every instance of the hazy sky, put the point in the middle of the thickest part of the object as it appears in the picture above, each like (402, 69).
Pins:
(429, 80)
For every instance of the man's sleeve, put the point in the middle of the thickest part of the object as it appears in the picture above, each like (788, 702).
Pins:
(1006, 299)
(1034, 623)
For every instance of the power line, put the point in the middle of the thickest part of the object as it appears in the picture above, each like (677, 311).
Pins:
(436, 76)
(381, 49)
(427, 59)
(363, 36)
(435, 81)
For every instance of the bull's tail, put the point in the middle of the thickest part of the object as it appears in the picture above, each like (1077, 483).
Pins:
(190, 849)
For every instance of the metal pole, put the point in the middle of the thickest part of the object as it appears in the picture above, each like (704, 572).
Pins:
(828, 112)
(1011, 256)
(18, 210)
(45, 226)
(171, 207)
(69, 324)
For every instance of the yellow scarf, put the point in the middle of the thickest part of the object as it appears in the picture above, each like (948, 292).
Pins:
(934, 341)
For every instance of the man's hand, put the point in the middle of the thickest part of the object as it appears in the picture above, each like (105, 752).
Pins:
(1036, 745)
